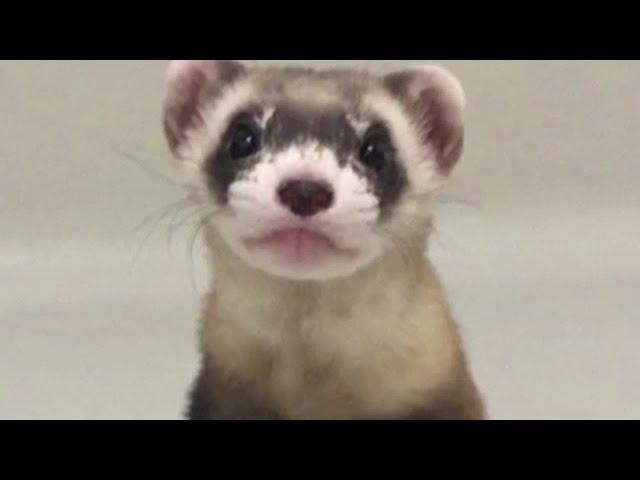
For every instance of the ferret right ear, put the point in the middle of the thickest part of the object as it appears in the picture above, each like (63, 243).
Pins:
(190, 85)
(434, 98)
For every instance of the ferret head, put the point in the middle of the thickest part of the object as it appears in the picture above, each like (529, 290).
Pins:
(313, 175)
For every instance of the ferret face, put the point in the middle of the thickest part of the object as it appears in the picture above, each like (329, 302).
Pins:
(313, 175)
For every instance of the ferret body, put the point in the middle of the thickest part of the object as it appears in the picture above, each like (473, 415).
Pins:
(317, 189)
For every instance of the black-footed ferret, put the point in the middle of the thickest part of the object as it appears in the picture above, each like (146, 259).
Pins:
(317, 186)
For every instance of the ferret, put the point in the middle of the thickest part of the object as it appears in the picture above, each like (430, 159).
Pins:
(316, 188)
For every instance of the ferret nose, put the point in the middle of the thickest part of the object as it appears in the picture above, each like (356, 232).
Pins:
(305, 198)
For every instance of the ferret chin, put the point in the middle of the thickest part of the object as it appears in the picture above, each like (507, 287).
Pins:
(317, 186)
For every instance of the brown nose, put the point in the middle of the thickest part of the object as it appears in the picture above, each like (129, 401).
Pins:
(305, 198)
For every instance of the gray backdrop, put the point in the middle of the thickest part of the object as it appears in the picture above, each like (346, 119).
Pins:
(538, 241)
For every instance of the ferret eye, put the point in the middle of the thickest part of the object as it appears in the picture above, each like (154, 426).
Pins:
(374, 153)
(244, 141)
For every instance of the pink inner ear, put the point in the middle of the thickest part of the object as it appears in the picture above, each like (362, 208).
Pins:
(435, 99)
(192, 83)
(182, 112)
(442, 128)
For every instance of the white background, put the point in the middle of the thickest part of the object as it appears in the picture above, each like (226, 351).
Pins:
(538, 241)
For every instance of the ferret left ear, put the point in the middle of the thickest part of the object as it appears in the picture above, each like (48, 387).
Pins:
(435, 100)
(190, 85)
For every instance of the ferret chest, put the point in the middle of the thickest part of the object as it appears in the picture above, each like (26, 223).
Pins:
(333, 355)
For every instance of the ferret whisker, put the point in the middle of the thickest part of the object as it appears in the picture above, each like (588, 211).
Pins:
(194, 237)
(176, 225)
(253, 203)
(161, 214)
(117, 145)
(249, 207)
(361, 211)
(139, 162)
(446, 242)
(457, 201)
(443, 199)
(397, 244)
(157, 219)
(246, 199)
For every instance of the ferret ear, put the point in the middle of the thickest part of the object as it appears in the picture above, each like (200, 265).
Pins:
(191, 84)
(434, 98)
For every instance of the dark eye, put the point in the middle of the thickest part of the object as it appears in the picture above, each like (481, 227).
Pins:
(244, 142)
(375, 153)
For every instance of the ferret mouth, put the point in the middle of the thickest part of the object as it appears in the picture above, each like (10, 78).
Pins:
(298, 245)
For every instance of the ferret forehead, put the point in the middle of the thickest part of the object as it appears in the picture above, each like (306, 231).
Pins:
(343, 88)
(313, 94)
(293, 122)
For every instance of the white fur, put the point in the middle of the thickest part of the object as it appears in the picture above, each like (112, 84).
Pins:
(419, 161)
(216, 115)
(256, 211)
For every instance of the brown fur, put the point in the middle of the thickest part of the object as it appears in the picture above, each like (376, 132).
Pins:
(216, 398)
(247, 373)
